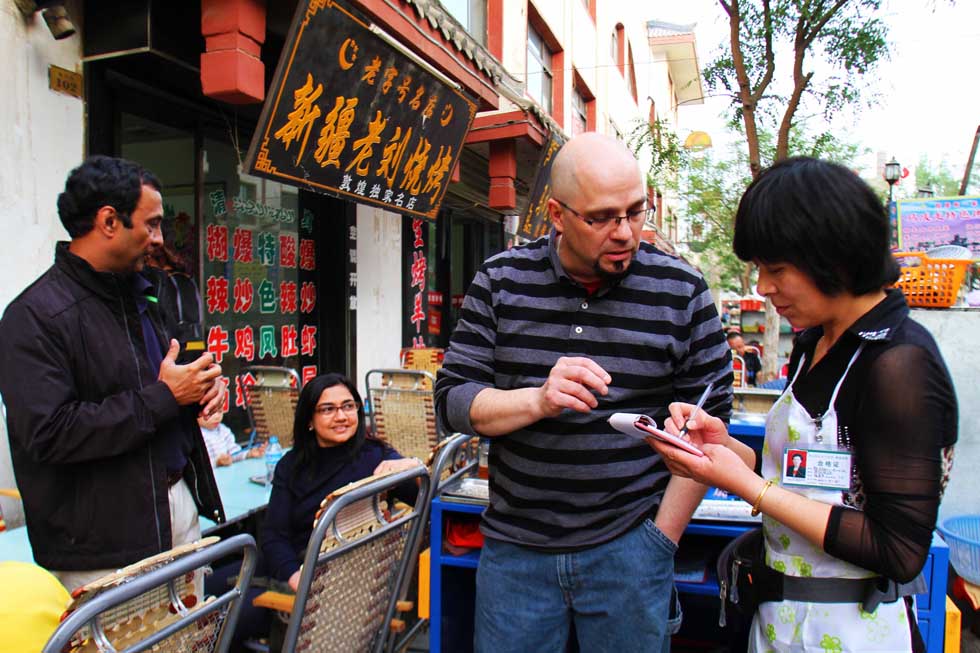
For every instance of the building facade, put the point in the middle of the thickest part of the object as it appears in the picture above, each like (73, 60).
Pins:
(288, 276)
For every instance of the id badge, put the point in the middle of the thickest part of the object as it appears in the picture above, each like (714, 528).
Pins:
(819, 468)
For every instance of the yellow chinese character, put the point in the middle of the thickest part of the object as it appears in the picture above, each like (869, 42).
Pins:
(391, 155)
(335, 132)
(553, 147)
(447, 114)
(433, 180)
(371, 71)
(404, 87)
(430, 106)
(364, 146)
(417, 100)
(302, 116)
(412, 172)
(390, 74)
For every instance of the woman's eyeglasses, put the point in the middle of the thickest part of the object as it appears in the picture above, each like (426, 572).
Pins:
(329, 410)
(639, 216)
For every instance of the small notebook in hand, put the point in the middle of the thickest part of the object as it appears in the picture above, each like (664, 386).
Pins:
(642, 426)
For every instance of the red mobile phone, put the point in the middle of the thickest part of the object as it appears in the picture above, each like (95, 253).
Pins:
(649, 427)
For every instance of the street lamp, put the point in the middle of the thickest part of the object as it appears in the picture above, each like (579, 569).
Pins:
(893, 172)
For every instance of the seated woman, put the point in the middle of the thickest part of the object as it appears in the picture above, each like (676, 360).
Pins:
(330, 449)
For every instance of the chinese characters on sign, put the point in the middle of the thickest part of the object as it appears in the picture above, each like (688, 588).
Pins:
(924, 223)
(419, 267)
(535, 221)
(256, 304)
(350, 116)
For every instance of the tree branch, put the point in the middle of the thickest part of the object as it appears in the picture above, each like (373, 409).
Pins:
(809, 37)
(770, 57)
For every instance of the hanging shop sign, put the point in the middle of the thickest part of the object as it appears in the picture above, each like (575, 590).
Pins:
(928, 222)
(417, 300)
(535, 221)
(350, 115)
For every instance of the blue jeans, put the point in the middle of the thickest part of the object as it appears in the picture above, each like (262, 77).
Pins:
(619, 595)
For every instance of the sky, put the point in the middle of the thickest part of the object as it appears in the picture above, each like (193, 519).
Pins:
(929, 104)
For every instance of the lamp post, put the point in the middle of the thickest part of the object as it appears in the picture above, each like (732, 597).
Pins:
(893, 171)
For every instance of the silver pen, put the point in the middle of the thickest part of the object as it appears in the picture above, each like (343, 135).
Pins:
(704, 398)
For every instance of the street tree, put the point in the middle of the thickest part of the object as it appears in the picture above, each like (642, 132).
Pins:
(847, 38)
(937, 178)
(710, 185)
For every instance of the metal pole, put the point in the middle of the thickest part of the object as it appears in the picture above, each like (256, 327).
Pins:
(969, 163)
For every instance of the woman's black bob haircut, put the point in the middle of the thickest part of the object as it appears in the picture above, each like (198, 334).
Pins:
(823, 219)
(304, 438)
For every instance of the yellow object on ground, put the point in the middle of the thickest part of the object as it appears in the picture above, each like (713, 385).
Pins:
(954, 624)
(424, 584)
(31, 604)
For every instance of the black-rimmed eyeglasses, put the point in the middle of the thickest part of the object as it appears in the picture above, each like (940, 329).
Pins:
(639, 216)
(329, 410)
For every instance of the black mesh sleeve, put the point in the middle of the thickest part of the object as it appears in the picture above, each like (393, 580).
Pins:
(905, 417)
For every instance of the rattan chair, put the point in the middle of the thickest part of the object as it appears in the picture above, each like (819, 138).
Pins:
(402, 410)
(271, 402)
(151, 605)
(454, 457)
(357, 560)
(740, 379)
(425, 359)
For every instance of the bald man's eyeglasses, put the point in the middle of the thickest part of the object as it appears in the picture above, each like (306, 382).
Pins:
(639, 216)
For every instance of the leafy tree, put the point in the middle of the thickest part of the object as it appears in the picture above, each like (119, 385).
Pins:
(659, 146)
(846, 36)
(939, 179)
(711, 185)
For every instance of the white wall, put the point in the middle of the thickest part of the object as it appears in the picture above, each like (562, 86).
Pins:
(955, 330)
(379, 284)
(41, 141)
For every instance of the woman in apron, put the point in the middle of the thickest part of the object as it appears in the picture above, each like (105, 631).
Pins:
(858, 448)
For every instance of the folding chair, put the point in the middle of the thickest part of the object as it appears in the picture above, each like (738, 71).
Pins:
(426, 359)
(402, 410)
(271, 402)
(739, 372)
(150, 605)
(451, 459)
(358, 557)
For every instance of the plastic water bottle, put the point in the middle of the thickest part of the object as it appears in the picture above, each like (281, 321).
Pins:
(273, 452)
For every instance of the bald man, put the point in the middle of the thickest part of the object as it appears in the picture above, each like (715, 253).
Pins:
(553, 338)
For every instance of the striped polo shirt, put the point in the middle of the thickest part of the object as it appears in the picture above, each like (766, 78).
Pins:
(573, 481)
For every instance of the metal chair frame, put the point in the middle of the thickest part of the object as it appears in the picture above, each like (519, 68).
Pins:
(327, 521)
(90, 613)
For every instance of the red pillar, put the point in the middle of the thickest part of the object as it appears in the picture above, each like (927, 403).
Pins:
(231, 67)
(503, 171)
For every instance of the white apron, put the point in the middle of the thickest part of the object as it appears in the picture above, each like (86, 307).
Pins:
(820, 627)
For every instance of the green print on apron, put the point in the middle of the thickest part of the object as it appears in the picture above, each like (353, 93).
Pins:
(798, 625)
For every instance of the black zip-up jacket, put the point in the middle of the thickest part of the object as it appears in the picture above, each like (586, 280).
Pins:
(84, 415)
